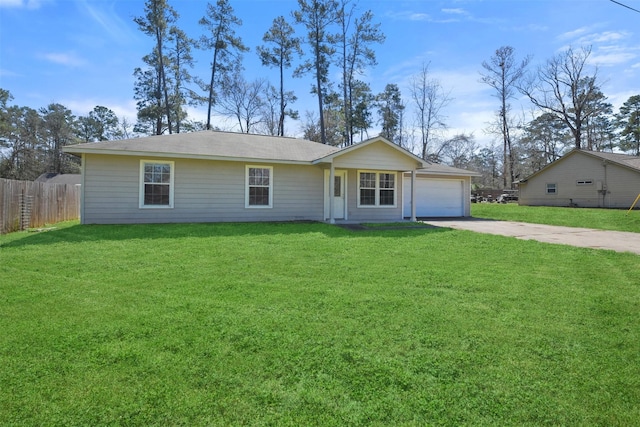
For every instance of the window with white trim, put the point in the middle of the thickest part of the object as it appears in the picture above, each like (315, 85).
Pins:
(552, 188)
(377, 189)
(259, 187)
(156, 184)
(584, 182)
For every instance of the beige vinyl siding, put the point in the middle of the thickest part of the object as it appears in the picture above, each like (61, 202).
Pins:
(369, 213)
(375, 156)
(623, 184)
(204, 191)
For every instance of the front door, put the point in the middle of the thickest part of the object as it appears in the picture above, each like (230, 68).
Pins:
(338, 190)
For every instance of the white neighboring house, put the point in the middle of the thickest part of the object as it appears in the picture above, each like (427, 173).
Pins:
(211, 176)
(584, 178)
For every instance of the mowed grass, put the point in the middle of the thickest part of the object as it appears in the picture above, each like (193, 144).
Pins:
(602, 219)
(310, 324)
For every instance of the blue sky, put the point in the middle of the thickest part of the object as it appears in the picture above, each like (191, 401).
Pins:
(81, 53)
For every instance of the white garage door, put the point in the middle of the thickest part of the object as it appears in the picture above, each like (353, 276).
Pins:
(435, 197)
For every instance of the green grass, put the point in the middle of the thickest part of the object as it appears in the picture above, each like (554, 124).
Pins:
(310, 324)
(603, 219)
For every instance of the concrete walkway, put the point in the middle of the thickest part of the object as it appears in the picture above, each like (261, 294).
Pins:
(583, 237)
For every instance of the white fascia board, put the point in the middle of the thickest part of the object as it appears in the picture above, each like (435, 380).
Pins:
(183, 156)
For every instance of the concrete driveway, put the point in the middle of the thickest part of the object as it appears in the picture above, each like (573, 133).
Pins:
(583, 237)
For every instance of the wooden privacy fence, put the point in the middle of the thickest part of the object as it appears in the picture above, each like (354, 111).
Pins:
(25, 204)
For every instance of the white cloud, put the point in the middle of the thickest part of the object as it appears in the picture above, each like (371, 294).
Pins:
(607, 37)
(103, 14)
(579, 32)
(618, 98)
(26, 4)
(456, 11)
(611, 59)
(11, 3)
(67, 59)
(8, 73)
(82, 107)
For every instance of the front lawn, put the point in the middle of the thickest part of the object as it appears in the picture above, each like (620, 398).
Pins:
(310, 324)
(603, 219)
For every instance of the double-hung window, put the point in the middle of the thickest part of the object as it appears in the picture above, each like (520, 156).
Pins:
(156, 184)
(376, 189)
(259, 187)
(552, 188)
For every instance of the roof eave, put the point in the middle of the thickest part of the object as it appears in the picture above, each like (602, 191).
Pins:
(154, 154)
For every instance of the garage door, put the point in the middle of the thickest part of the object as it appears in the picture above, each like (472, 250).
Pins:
(435, 197)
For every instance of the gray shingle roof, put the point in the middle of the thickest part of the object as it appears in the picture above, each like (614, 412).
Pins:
(59, 178)
(213, 144)
(439, 169)
(236, 146)
(623, 159)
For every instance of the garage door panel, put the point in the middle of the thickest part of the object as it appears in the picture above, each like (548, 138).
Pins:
(435, 197)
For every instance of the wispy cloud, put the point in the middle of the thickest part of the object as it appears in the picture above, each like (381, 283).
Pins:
(25, 4)
(574, 34)
(457, 11)
(66, 59)
(444, 16)
(104, 15)
(122, 108)
(608, 48)
(409, 16)
(609, 59)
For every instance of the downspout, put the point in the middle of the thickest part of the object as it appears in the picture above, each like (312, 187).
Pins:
(604, 184)
(83, 167)
(332, 178)
(413, 195)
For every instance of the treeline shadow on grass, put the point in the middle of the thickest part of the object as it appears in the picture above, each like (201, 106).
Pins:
(93, 232)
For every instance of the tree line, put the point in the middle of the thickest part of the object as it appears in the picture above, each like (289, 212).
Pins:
(568, 108)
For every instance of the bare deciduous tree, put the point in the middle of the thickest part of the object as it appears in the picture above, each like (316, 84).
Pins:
(243, 100)
(563, 87)
(429, 99)
(503, 73)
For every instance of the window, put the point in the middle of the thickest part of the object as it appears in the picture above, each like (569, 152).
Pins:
(376, 189)
(259, 188)
(156, 184)
(337, 186)
(387, 189)
(551, 188)
(584, 182)
(367, 189)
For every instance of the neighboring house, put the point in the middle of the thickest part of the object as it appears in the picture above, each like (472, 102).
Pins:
(60, 178)
(222, 176)
(584, 179)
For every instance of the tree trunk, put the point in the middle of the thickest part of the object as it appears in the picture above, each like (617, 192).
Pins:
(213, 75)
(163, 80)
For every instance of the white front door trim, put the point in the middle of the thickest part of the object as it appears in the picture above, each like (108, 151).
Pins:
(339, 193)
